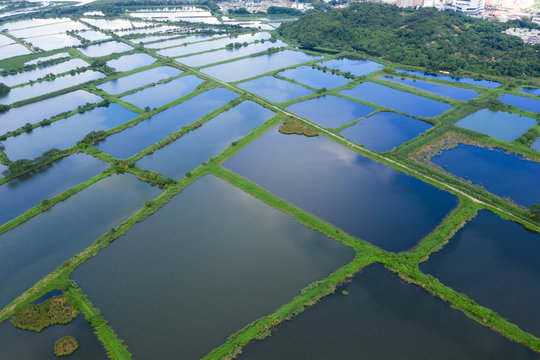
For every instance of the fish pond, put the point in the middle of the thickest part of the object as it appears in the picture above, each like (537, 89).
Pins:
(233, 259)
(13, 50)
(130, 62)
(105, 48)
(314, 78)
(274, 89)
(385, 131)
(22, 344)
(405, 102)
(492, 169)
(49, 86)
(41, 244)
(330, 111)
(383, 318)
(173, 42)
(134, 139)
(161, 94)
(27, 191)
(437, 89)
(196, 147)
(355, 67)
(26, 76)
(33, 113)
(362, 197)
(532, 91)
(228, 54)
(139, 79)
(250, 67)
(496, 262)
(521, 102)
(498, 124)
(463, 80)
(65, 133)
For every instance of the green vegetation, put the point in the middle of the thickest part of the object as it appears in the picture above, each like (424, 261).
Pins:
(293, 126)
(4, 89)
(535, 211)
(56, 310)
(436, 40)
(65, 346)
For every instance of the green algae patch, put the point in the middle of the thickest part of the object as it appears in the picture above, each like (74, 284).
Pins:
(65, 346)
(56, 310)
(293, 126)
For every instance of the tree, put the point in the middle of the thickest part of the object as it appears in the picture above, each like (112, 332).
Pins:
(535, 211)
(4, 89)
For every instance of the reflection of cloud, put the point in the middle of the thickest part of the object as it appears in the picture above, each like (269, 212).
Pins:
(341, 153)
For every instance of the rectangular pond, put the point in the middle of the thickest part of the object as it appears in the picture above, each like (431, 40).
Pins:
(27, 191)
(274, 89)
(250, 67)
(53, 41)
(314, 78)
(105, 48)
(26, 76)
(35, 248)
(498, 124)
(492, 169)
(385, 131)
(92, 35)
(26, 345)
(33, 113)
(496, 262)
(49, 86)
(175, 42)
(13, 50)
(437, 89)
(47, 58)
(228, 54)
(196, 147)
(130, 62)
(521, 102)
(463, 80)
(405, 102)
(362, 197)
(330, 111)
(353, 66)
(233, 259)
(532, 91)
(161, 94)
(65, 133)
(134, 139)
(139, 79)
(383, 318)
(211, 44)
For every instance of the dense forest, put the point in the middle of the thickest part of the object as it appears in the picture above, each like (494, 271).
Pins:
(437, 40)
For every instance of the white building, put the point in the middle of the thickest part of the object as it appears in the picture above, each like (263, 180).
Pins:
(469, 7)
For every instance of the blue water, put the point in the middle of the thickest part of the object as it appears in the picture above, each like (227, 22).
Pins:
(65, 133)
(506, 175)
(130, 62)
(355, 67)
(442, 90)
(38, 246)
(383, 318)
(139, 79)
(532, 91)
(27, 191)
(46, 87)
(463, 80)
(521, 102)
(315, 78)
(26, 345)
(498, 124)
(385, 131)
(330, 111)
(225, 259)
(33, 113)
(536, 145)
(134, 139)
(191, 150)
(26, 76)
(250, 67)
(161, 94)
(275, 90)
(362, 197)
(408, 103)
(105, 48)
(228, 54)
(174, 42)
(497, 263)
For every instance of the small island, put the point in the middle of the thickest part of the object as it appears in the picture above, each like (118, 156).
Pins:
(65, 346)
(293, 126)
